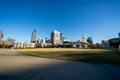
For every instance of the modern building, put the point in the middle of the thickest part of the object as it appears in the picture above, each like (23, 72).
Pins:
(43, 43)
(83, 38)
(55, 37)
(24, 45)
(33, 37)
(11, 40)
(61, 36)
(1, 34)
(119, 35)
(37, 40)
(48, 41)
(90, 40)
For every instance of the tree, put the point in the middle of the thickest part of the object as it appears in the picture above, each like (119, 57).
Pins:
(115, 42)
(3, 45)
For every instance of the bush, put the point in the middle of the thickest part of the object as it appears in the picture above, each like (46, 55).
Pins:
(2, 45)
(93, 46)
(49, 46)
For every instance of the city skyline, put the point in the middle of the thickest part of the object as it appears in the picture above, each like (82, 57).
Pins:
(95, 18)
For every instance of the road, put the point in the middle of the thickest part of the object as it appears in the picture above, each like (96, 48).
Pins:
(16, 66)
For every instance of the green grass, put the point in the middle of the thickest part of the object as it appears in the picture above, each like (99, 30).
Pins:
(108, 56)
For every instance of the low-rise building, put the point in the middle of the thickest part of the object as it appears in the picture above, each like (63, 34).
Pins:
(24, 45)
(11, 41)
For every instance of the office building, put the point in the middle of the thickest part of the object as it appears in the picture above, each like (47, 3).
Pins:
(61, 36)
(33, 37)
(83, 37)
(90, 40)
(24, 45)
(119, 35)
(37, 40)
(55, 37)
(1, 34)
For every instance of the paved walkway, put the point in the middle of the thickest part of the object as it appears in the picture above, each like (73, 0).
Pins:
(16, 66)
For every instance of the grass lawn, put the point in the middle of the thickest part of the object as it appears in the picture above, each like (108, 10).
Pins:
(108, 56)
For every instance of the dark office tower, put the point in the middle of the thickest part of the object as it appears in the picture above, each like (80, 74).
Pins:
(61, 36)
(90, 40)
(119, 35)
(33, 37)
(1, 34)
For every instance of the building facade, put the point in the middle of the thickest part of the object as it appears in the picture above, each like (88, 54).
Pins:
(119, 35)
(90, 40)
(33, 37)
(1, 34)
(24, 45)
(61, 36)
(83, 37)
(11, 41)
(55, 37)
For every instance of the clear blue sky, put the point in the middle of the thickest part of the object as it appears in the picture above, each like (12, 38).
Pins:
(99, 19)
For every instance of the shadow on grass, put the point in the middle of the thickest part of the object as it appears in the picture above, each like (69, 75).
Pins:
(101, 57)
(109, 57)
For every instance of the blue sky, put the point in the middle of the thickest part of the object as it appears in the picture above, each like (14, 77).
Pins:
(99, 19)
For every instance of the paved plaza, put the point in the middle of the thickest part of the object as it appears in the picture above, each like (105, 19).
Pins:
(16, 66)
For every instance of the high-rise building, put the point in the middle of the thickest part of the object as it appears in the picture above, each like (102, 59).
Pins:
(1, 34)
(83, 37)
(90, 40)
(55, 37)
(61, 36)
(33, 37)
(119, 35)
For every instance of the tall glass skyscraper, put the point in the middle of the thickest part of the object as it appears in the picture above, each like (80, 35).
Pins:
(33, 37)
(1, 34)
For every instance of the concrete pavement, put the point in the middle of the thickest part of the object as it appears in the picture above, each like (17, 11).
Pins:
(16, 66)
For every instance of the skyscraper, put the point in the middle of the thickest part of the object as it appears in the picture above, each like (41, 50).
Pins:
(83, 37)
(1, 34)
(119, 35)
(61, 36)
(33, 37)
(55, 37)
